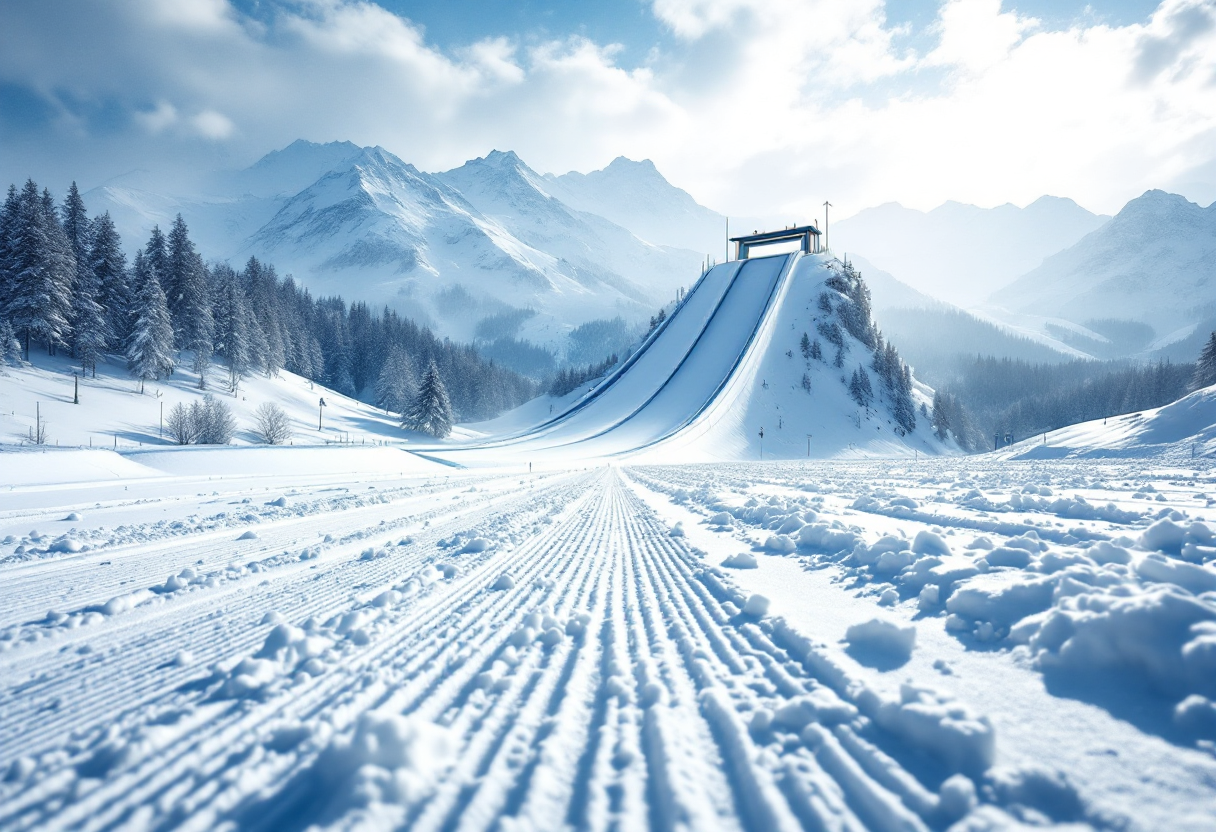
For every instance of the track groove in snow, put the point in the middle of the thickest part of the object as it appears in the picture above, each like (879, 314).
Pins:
(617, 681)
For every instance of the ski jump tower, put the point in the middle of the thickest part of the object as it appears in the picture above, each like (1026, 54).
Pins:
(806, 235)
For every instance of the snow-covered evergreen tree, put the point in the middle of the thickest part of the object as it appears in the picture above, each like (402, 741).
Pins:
(860, 388)
(1205, 367)
(233, 322)
(430, 412)
(8, 222)
(90, 330)
(189, 299)
(109, 266)
(75, 221)
(397, 385)
(40, 270)
(150, 342)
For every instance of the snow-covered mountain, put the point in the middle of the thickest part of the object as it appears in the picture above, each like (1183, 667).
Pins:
(636, 196)
(1154, 264)
(450, 249)
(961, 253)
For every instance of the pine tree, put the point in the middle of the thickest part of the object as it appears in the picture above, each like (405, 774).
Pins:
(233, 322)
(860, 388)
(8, 224)
(431, 412)
(40, 272)
(1205, 367)
(396, 386)
(190, 299)
(109, 266)
(150, 344)
(941, 415)
(805, 346)
(76, 222)
(90, 332)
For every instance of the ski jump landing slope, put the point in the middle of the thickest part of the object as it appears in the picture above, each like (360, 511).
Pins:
(680, 371)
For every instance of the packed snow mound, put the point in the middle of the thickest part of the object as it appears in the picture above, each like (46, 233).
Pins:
(771, 357)
(1179, 431)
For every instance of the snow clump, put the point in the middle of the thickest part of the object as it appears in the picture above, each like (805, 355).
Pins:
(882, 637)
(389, 759)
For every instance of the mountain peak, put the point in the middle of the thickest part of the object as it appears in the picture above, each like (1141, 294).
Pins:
(1157, 201)
(624, 163)
(502, 159)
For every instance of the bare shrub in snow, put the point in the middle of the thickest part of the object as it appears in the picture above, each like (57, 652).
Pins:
(181, 426)
(272, 425)
(206, 422)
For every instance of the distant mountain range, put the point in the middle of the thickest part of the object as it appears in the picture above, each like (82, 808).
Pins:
(495, 247)
(487, 239)
(1145, 282)
(960, 253)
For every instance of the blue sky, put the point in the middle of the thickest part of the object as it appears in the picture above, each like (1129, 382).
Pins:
(754, 106)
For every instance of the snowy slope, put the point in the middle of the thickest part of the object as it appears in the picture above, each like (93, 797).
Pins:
(726, 363)
(1155, 263)
(961, 253)
(113, 414)
(1179, 431)
(766, 392)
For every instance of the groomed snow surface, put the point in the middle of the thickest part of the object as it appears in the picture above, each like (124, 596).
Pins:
(957, 644)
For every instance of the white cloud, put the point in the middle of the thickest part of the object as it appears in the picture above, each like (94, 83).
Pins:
(976, 35)
(213, 125)
(758, 106)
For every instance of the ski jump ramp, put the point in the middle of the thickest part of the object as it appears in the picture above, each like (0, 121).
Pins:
(685, 373)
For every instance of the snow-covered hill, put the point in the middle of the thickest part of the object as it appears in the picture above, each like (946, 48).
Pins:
(1154, 264)
(961, 253)
(773, 357)
(1178, 432)
(113, 414)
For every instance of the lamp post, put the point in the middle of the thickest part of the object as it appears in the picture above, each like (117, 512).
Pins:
(75, 389)
(320, 410)
(827, 240)
(761, 444)
(808, 445)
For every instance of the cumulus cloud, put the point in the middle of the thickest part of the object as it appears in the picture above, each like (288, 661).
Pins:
(757, 106)
(213, 125)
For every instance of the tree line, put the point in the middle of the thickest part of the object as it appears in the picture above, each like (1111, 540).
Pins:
(993, 397)
(66, 285)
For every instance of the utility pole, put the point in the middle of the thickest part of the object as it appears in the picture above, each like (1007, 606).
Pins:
(761, 444)
(320, 410)
(808, 446)
(162, 419)
(727, 260)
(827, 240)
